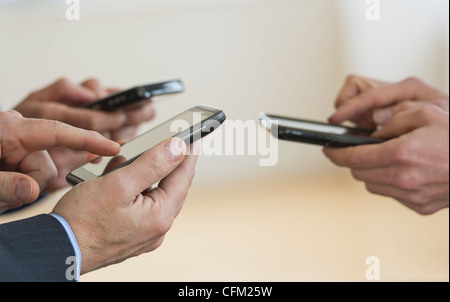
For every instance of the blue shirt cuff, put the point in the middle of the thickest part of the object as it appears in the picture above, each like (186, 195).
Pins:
(73, 241)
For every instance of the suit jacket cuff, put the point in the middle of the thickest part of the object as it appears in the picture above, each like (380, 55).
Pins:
(37, 249)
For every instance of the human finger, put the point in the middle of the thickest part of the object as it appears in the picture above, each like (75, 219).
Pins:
(361, 157)
(17, 189)
(354, 85)
(151, 167)
(377, 98)
(53, 134)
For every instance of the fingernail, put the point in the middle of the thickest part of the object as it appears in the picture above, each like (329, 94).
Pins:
(23, 190)
(175, 149)
(382, 116)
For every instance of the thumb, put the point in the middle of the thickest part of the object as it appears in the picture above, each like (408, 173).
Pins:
(17, 189)
(152, 166)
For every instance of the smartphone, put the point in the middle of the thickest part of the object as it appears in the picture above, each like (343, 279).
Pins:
(190, 125)
(317, 133)
(136, 94)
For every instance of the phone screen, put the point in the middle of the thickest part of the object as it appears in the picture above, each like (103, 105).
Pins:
(135, 147)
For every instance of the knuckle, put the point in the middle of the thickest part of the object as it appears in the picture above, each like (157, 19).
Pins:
(414, 199)
(90, 134)
(371, 189)
(63, 82)
(356, 174)
(426, 210)
(438, 193)
(391, 175)
(156, 244)
(402, 154)
(407, 180)
(55, 125)
(414, 81)
(163, 226)
(355, 161)
(92, 81)
(117, 181)
(15, 113)
(352, 78)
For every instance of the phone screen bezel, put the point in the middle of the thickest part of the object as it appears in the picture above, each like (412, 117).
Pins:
(196, 131)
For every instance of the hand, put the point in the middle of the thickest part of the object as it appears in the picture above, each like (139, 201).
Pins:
(134, 114)
(361, 99)
(119, 216)
(62, 100)
(412, 166)
(355, 86)
(26, 167)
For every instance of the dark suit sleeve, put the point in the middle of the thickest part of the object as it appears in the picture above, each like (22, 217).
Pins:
(34, 249)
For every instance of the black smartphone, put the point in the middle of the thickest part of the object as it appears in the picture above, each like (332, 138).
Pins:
(137, 94)
(317, 133)
(190, 125)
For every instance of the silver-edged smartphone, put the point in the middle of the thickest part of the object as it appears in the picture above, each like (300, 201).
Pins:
(317, 133)
(190, 125)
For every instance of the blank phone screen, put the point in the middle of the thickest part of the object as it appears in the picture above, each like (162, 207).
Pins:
(148, 140)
